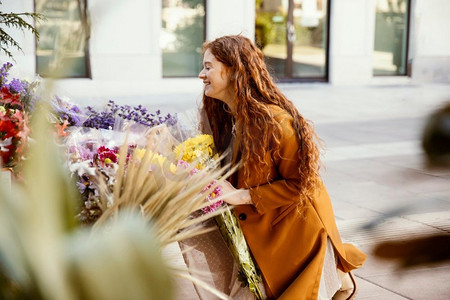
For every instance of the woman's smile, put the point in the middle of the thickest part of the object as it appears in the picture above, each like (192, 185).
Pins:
(216, 79)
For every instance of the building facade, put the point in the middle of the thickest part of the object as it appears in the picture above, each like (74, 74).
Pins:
(153, 46)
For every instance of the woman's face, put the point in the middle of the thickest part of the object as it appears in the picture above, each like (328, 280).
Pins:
(216, 79)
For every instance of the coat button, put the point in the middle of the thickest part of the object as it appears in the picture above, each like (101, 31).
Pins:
(242, 217)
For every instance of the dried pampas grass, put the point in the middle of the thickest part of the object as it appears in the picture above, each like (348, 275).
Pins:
(165, 197)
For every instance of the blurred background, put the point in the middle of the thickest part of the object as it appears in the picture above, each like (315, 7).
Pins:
(142, 47)
(369, 75)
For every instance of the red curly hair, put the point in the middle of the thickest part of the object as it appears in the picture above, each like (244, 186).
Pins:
(254, 91)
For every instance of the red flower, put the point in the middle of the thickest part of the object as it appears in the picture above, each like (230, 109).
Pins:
(107, 156)
(13, 135)
(9, 98)
(7, 155)
(8, 129)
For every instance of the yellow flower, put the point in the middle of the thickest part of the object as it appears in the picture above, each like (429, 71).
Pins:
(156, 159)
(139, 153)
(196, 149)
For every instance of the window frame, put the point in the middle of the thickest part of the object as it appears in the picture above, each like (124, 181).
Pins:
(205, 3)
(408, 66)
(87, 60)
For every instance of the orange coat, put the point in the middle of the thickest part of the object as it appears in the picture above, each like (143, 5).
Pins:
(289, 247)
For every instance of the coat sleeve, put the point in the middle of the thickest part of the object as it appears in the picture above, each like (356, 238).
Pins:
(284, 190)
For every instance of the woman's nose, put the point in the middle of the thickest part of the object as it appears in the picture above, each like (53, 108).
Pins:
(201, 75)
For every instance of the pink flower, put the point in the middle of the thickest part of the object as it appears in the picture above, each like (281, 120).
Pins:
(217, 192)
(185, 165)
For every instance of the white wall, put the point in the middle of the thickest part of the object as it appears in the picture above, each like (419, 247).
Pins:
(230, 17)
(352, 28)
(431, 40)
(25, 62)
(124, 43)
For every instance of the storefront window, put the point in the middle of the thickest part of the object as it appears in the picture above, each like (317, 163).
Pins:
(62, 47)
(391, 37)
(293, 35)
(182, 36)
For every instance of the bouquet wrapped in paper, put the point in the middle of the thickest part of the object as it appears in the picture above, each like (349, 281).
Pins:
(92, 138)
(200, 150)
(232, 233)
(17, 100)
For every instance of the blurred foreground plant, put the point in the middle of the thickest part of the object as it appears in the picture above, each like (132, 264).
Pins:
(166, 197)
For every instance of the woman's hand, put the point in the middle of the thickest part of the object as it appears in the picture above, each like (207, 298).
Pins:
(234, 196)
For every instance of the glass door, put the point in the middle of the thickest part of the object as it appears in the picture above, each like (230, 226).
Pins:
(293, 35)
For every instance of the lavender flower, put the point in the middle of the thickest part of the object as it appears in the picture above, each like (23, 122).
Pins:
(139, 114)
(27, 90)
(66, 111)
(17, 86)
(4, 71)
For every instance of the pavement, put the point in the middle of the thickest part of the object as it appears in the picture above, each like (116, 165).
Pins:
(373, 166)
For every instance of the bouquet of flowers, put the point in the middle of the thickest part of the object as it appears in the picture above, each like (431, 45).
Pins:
(92, 138)
(200, 150)
(16, 102)
(87, 160)
(25, 89)
(94, 154)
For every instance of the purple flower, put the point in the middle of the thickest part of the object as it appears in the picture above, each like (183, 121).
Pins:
(82, 185)
(16, 86)
(66, 111)
(85, 151)
(75, 109)
(105, 119)
(4, 71)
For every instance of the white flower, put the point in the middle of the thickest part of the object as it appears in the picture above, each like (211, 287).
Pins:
(82, 168)
(5, 143)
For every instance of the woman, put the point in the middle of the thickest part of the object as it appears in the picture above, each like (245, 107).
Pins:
(283, 207)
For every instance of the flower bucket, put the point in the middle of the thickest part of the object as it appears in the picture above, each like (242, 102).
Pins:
(5, 178)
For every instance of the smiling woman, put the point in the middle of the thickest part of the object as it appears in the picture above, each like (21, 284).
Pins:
(281, 203)
(216, 79)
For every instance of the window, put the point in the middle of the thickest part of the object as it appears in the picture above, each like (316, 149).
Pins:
(391, 37)
(182, 37)
(62, 48)
(293, 35)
